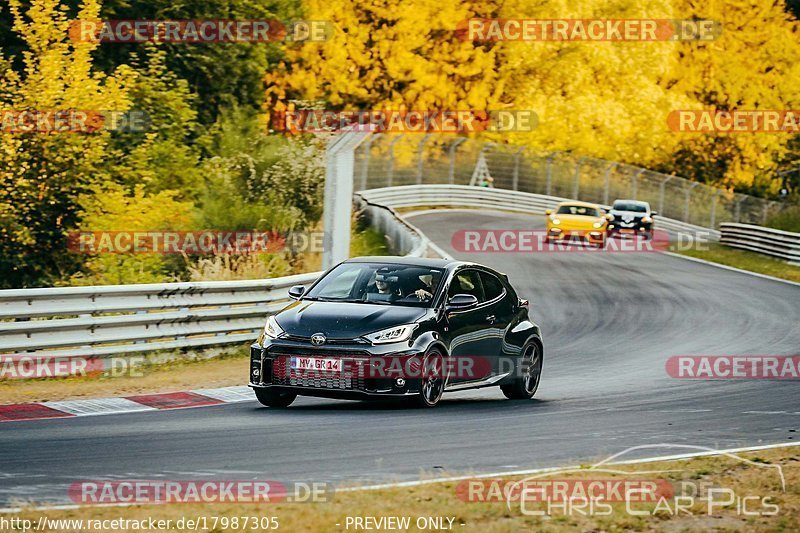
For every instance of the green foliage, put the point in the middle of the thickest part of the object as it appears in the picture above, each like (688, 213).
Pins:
(111, 208)
(221, 74)
(42, 175)
(787, 219)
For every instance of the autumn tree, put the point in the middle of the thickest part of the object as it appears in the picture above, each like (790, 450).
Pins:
(43, 174)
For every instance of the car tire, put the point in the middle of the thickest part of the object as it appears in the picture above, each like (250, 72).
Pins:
(524, 387)
(271, 398)
(431, 385)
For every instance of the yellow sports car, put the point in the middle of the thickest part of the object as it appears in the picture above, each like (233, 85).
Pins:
(572, 220)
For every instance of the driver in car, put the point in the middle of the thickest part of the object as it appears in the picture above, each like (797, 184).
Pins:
(386, 285)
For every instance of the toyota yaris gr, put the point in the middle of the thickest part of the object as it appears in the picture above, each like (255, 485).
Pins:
(576, 220)
(393, 327)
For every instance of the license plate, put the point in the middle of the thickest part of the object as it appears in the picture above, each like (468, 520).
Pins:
(321, 364)
(627, 231)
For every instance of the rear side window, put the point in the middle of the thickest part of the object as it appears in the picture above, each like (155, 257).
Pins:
(466, 282)
(492, 287)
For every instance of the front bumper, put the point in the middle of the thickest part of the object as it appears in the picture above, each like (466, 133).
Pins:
(594, 235)
(270, 368)
(629, 229)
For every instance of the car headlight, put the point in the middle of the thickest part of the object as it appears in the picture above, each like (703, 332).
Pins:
(598, 224)
(555, 221)
(272, 329)
(393, 334)
(647, 220)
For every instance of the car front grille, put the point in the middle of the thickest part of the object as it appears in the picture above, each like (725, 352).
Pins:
(350, 378)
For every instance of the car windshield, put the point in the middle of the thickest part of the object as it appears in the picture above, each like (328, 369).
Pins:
(378, 283)
(626, 206)
(577, 210)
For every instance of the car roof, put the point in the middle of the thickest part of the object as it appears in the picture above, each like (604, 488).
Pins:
(402, 260)
(639, 202)
(578, 203)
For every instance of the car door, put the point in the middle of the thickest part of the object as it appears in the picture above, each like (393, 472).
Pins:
(498, 314)
(470, 346)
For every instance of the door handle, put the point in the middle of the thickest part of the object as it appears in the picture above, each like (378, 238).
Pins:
(491, 318)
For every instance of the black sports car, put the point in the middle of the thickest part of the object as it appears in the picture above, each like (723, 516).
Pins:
(393, 327)
(630, 217)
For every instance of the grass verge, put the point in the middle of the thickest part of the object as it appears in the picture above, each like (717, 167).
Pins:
(745, 494)
(746, 260)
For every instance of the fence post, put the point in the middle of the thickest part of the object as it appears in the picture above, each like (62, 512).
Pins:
(577, 187)
(365, 162)
(766, 213)
(661, 187)
(420, 150)
(338, 197)
(452, 172)
(688, 191)
(713, 208)
(548, 186)
(390, 172)
(606, 179)
(737, 215)
(634, 182)
(515, 176)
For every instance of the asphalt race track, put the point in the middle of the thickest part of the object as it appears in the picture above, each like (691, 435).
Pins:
(610, 321)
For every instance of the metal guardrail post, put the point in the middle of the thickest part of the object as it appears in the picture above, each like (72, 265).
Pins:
(737, 214)
(451, 175)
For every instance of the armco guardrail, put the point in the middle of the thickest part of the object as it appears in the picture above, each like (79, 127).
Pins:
(777, 243)
(492, 198)
(101, 321)
(116, 319)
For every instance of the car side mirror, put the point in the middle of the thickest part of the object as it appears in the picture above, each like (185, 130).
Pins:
(548, 211)
(296, 292)
(461, 302)
(653, 213)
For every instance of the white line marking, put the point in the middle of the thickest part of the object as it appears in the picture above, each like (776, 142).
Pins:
(98, 406)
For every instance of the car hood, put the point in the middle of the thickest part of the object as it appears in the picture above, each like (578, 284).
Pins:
(340, 320)
(627, 214)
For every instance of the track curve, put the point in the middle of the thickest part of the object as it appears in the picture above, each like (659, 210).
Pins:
(610, 321)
